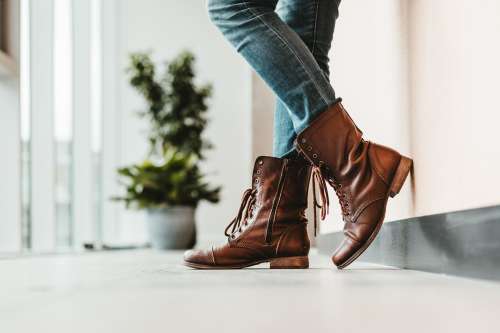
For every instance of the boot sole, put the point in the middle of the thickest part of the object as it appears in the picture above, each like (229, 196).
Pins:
(301, 262)
(402, 172)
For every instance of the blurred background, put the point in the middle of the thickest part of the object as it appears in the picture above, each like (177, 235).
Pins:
(418, 75)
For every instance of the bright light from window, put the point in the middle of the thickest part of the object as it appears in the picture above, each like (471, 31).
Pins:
(25, 109)
(96, 74)
(62, 71)
(63, 122)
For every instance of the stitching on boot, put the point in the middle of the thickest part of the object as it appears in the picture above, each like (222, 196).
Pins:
(251, 247)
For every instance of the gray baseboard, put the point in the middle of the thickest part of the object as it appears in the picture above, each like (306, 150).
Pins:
(463, 243)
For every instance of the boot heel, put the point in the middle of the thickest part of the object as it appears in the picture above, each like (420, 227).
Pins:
(290, 263)
(402, 172)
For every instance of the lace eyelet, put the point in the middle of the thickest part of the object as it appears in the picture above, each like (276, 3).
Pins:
(315, 155)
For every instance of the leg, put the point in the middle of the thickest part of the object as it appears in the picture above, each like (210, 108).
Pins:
(314, 22)
(284, 133)
(363, 174)
(278, 55)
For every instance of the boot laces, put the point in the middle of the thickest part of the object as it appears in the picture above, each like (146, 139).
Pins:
(344, 204)
(323, 204)
(246, 208)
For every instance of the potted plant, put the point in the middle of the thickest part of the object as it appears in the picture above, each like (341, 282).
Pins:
(169, 183)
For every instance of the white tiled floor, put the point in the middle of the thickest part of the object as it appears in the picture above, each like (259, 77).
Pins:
(147, 291)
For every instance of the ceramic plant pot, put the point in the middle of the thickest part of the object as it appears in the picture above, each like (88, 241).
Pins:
(171, 228)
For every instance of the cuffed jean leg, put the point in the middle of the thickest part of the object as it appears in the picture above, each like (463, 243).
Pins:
(277, 54)
(314, 22)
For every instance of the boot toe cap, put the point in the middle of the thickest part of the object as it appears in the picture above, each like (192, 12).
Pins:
(345, 251)
(199, 257)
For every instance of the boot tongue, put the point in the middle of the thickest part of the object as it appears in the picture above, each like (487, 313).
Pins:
(323, 204)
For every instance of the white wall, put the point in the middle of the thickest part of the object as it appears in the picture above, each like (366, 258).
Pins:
(455, 72)
(167, 27)
(10, 166)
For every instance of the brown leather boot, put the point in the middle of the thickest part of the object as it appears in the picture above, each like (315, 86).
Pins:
(270, 225)
(363, 174)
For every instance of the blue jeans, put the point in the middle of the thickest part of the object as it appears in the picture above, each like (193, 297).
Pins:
(287, 43)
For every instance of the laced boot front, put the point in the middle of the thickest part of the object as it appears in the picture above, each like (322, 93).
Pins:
(270, 225)
(363, 174)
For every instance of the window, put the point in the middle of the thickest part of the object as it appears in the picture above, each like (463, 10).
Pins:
(61, 148)
(63, 123)
(64, 162)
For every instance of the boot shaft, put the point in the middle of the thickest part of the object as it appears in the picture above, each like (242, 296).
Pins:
(359, 170)
(332, 140)
(281, 186)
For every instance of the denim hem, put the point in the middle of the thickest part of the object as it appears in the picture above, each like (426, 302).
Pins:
(292, 150)
(303, 126)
